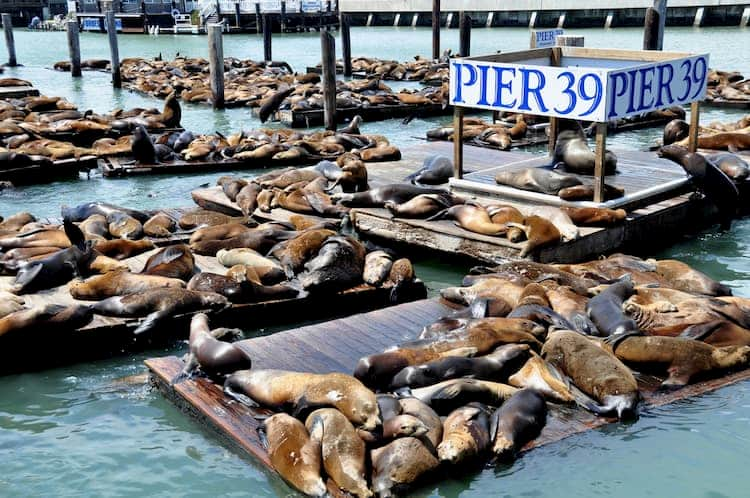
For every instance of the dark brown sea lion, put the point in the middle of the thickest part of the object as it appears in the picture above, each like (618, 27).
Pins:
(247, 198)
(573, 153)
(606, 309)
(123, 226)
(400, 463)
(586, 193)
(537, 180)
(122, 248)
(95, 227)
(118, 283)
(270, 104)
(377, 197)
(682, 357)
(516, 422)
(258, 239)
(338, 266)
(159, 225)
(342, 449)
(214, 357)
(173, 262)
(142, 146)
(83, 211)
(421, 206)
(52, 318)
(435, 170)
(597, 372)
(298, 250)
(588, 216)
(159, 305)
(231, 186)
(731, 165)
(293, 454)
(240, 291)
(449, 395)
(675, 130)
(302, 391)
(466, 434)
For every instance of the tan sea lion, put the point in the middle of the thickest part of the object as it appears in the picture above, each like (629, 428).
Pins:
(52, 318)
(416, 408)
(501, 214)
(731, 141)
(505, 289)
(540, 375)
(175, 261)
(16, 221)
(10, 303)
(473, 218)
(159, 225)
(421, 206)
(466, 434)
(301, 391)
(586, 193)
(342, 449)
(122, 248)
(539, 231)
(537, 180)
(200, 217)
(298, 250)
(219, 232)
(685, 278)
(400, 463)
(118, 283)
(293, 454)
(269, 271)
(124, 226)
(37, 238)
(95, 227)
(585, 216)
(516, 422)
(377, 267)
(247, 198)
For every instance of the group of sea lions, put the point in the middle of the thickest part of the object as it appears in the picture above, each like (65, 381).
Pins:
(732, 137)
(426, 71)
(85, 64)
(475, 130)
(727, 86)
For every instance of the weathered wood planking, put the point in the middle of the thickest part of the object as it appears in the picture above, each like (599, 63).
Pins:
(307, 119)
(17, 92)
(727, 104)
(118, 167)
(108, 336)
(336, 346)
(44, 173)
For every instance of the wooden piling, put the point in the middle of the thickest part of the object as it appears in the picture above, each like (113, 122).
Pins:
(114, 52)
(328, 52)
(267, 53)
(458, 144)
(600, 151)
(258, 18)
(237, 14)
(464, 34)
(9, 41)
(435, 29)
(283, 16)
(661, 8)
(651, 29)
(216, 65)
(74, 48)
(694, 126)
(346, 44)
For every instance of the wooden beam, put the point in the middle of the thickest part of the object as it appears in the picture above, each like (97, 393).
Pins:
(435, 29)
(74, 48)
(464, 34)
(267, 53)
(651, 29)
(346, 44)
(9, 41)
(458, 143)
(216, 65)
(601, 144)
(328, 52)
(114, 51)
(695, 117)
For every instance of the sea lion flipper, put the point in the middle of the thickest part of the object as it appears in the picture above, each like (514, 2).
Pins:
(586, 402)
(74, 234)
(461, 352)
(239, 397)
(701, 331)
(151, 321)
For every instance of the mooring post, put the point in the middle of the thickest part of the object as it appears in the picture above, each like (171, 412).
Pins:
(9, 41)
(346, 44)
(267, 54)
(257, 17)
(74, 48)
(458, 143)
(237, 14)
(601, 144)
(114, 52)
(695, 117)
(651, 29)
(435, 29)
(661, 8)
(216, 65)
(328, 52)
(283, 16)
(464, 34)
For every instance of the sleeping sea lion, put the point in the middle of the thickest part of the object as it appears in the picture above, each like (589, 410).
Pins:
(449, 395)
(606, 309)
(395, 192)
(400, 463)
(675, 130)
(539, 231)
(123, 226)
(269, 271)
(240, 290)
(435, 170)
(586, 193)
(118, 283)
(471, 217)
(52, 318)
(298, 250)
(377, 267)
(590, 216)
(123, 248)
(338, 266)
(82, 211)
(421, 206)
(466, 434)
(537, 180)
(159, 225)
(95, 227)
(173, 262)
(516, 422)
(731, 165)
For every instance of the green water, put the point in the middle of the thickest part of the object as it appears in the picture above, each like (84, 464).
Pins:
(78, 431)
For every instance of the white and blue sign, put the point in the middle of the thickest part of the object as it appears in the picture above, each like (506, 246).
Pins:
(545, 38)
(577, 92)
(91, 24)
(311, 5)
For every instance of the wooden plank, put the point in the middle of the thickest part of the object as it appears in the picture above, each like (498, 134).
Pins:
(17, 92)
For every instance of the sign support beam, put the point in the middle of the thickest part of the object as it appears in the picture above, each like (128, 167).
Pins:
(458, 142)
(695, 117)
(601, 145)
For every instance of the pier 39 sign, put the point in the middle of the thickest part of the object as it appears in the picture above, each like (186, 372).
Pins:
(576, 92)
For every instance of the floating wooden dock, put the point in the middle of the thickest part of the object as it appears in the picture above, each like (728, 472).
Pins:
(108, 336)
(336, 346)
(727, 104)
(126, 166)
(307, 119)
(43, 173)
(17, 92)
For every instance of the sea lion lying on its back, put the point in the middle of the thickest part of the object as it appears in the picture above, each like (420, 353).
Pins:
(537, 180)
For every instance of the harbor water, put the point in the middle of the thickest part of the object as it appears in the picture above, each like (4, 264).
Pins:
(96, 429)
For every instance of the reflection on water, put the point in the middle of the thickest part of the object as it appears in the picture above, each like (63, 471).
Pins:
(80, 430)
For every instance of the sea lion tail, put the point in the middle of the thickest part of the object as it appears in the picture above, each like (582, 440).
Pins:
(438, 216)
(151, 322)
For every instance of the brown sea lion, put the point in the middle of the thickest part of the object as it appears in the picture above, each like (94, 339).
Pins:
(118, 283)
(516, 422)
(473, 218)
(730, 140)
(466, 434)
(403, 426)
(449, 395)
(573, 152)
(298, 250)
(416, 408)
(219, 232)
(16, 221)
(342, 449)
(587, 216)
(398, 193)
(540, 375)
(400, 463)
(731, 165)
(159, 225)
(338, 266)
(240, 291)
(269, 271)
(200, 217)
(675, 130)
(487, 288)
(421, 206)
(685, 278)
(586, 193)
(231, 186)
(95, 227)
(539, 231)
(537, 180)
(52, 318)
(258, 239)
(377, 267)
(122, 248)
(158, 305)
(123, 226)
(502, 214)
(173, 262)
(37, 238)
(301, 391)
(247, 198)
(597, 372)
(293, 454)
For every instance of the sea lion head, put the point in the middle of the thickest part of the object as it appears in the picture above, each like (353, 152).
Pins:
(404, 426)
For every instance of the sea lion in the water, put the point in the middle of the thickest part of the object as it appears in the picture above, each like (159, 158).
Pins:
(118, 283)
(302, 391)
(435, 170)
(142, 146)
(293, 454)
(466, 434)
(400, 463)
(597, 372)
(675, 130)
(158, 305)
(516, 422)
(537, 180)
(590, 216)
(376, 197)
(540, 232)
(214, 357)
(342, 449)
(173, 261)
(122, 248)
(572, 152)
(470, 217)
(159, 225)
(123, 226)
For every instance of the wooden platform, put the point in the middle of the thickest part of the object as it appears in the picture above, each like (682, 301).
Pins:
(109, 336)
(727, 104)
(17, 92)
(306, 119)
(42, 173)
(125, 166)
(336, 346)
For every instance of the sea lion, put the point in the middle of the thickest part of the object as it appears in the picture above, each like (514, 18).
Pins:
(435, 170)
(200, 217)
(376, 197)
(605, 309)
(173, 262)
(573, 153)
(16, 221)
(207, 352)
(159, 305)
(338, 266)
(590, 216)
(733, 141)
(502, 214)
(302, 391)
(142, 146)
(240, 291)
(118, 283)
(448, 395)
(342, 449)
(298, 250)
(10, 303)
(675, 130)
(421, 206)
(219, 232)
(516, 422)
(400, 463)
(95, 227)
(269, 271)
(293, 454)
(258, 239)
(466, 434)
(537, 180)
(123, 226)
(416, 408)
(37, 238)
(159, 225)
(377, 267)
(497, 365)
(247, 198)
(486, 288)
(597, 372)
(731, 165)
(472, 218)
(533, 271)
(123, 248)
(586, 193)
(82, 211)
(52, 318)
(539, 231)
(270, 104)
(403, 426)
(540, 375)
(685, 278)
